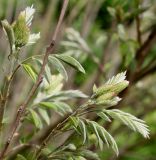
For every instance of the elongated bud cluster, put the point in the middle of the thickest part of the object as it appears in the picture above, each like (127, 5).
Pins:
(116, 88)
(18, 33)
(21, 31)
(107, 93)
(106, 96)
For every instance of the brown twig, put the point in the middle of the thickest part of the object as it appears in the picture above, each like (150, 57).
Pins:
(138, 25)
(23, 107)
(14, 151)
(138, 29)
(5, 95)
(144, 49)
(59, 126)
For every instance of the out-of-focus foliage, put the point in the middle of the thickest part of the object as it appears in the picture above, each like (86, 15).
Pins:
(106, 37)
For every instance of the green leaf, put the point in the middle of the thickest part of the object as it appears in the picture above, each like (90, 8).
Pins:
(64, 106)
(111, 11)
(70, 61)
(47, 69)
(94, 126)
(58, 65)
(90, 155)
(65, 95)
(36, 119)
(60, 107)
(83, 130)
(74, 122)
(103, 136)
(94, 88)
(44, 115)
(120, 77)
(131, 121)
(104, 116)
(30, 71)
(79, 158)
(20, 157)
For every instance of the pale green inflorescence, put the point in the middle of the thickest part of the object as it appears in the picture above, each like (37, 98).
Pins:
(107, 93)
(21, 29)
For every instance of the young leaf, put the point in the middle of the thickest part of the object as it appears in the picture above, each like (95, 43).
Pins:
(103, 135)
(90, 155)
(36, 119)
(30, 71)
(70, 61)
(83, 130)
(60, 107)
(104, 116)
(58, 65)
(94, 127)
(130, 120)
(74, 122)
(64, 106)
(47, 69)
(20, 157)
(44, 115)
(65, 95)
(117, 79)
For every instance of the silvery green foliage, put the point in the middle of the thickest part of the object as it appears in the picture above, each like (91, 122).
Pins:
(107, 94)
(117, 79)
(51, 96)
(75, 41)
(74, 44)
(86, 127)
(131, 121)
(71, 152)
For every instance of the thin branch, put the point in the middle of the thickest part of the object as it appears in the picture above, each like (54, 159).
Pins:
(144, 73)
(59, 126)
(144, 49)
(14, 151)
(23, 107)
(138, 29)
(138, 24)
(5, 95)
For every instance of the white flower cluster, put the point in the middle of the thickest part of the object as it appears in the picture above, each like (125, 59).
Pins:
(29, 14)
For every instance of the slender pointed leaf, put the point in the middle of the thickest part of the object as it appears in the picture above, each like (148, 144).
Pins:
(71, 61)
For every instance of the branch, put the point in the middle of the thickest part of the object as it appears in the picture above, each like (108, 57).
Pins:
(144, 49)
(23, 107)
(16, 150)
(59, 126)
(138, 24)
(5, 95)
(144, 73)
(138, 29)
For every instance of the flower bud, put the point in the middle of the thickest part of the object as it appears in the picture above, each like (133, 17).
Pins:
(101, 90)
(107, 96)
(111, 102)
(71, 147)
(117, 88)
(104, 102)
(21, 31)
